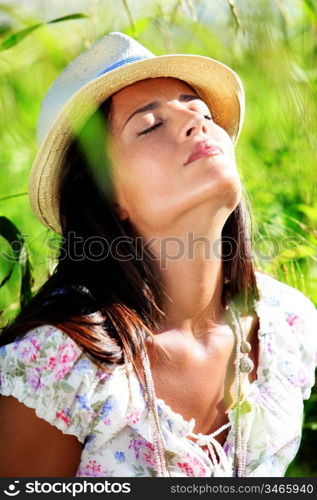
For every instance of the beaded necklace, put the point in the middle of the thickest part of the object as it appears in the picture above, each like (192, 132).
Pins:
(243, 366)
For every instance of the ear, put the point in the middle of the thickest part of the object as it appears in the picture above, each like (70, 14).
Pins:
(122, 213)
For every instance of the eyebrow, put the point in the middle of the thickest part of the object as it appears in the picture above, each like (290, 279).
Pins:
(157, 104)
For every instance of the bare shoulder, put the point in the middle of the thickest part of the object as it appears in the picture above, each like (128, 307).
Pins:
(32, 447)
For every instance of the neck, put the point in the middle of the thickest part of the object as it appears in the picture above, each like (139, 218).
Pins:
(192, 280)
(192, 292)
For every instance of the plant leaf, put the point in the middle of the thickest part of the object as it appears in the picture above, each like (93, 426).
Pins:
(17, 37)
(11, 233)
(20, 35)
(68, 18)
(26, 282)
(13, 196)
(309, 4)
(6, 278)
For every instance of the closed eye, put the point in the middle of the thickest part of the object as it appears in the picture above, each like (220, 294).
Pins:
(154, 127)
(148, 130)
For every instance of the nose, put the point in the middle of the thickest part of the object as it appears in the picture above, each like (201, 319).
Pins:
(192, 123)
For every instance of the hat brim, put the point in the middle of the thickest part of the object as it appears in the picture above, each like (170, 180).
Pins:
(218, 85)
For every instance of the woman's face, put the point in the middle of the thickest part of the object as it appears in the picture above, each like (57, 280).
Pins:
(155, 126)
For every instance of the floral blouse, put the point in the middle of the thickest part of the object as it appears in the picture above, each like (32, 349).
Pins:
(107, 412)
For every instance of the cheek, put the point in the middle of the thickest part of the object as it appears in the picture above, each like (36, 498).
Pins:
(139, 181)
(145, 164)
(144, 196)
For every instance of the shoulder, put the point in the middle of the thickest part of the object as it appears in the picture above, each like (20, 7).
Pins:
(43, 343)
(286, 301)
(280, 294)
(47, 371)
(289, 317)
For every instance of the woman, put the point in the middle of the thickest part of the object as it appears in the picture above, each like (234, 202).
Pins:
(155, 348)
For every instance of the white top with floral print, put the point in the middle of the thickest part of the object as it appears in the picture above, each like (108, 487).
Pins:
(47, 371)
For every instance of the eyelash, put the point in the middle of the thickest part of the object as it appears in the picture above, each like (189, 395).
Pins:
(151, 129)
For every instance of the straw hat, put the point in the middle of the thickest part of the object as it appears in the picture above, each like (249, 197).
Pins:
(113, 62)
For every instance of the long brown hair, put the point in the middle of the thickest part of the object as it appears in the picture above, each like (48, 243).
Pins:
(109, 305)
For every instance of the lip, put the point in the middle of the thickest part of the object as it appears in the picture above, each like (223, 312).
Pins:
(203, 149)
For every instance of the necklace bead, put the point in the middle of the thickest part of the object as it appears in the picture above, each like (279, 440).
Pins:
(246, 365)
(245, 347)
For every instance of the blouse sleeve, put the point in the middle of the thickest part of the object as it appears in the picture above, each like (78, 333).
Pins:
(308, 345)
(47, 371)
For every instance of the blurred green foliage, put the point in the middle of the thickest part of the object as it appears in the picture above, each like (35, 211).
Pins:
(271, 44)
